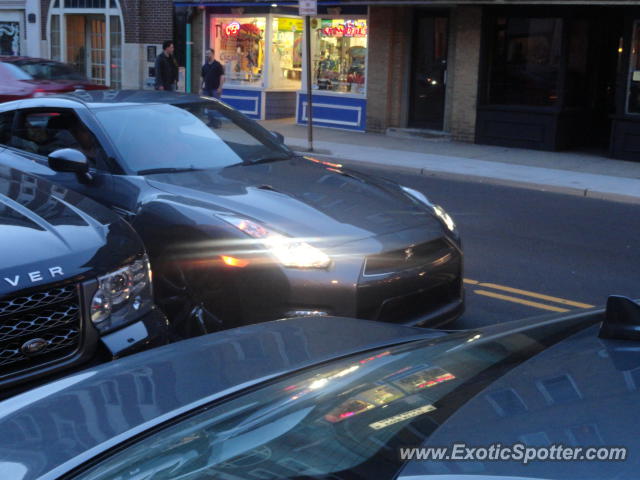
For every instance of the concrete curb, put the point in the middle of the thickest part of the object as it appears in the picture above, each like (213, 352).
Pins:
(565, 190)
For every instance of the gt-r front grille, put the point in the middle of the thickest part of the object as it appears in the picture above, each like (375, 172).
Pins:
(39, 328)
(429, 253)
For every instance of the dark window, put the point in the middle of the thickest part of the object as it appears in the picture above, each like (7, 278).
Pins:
(576, 89)
(559, 389)
(585, 435)
(524, 61)
(633, 105)
(506, 402)
(84, 3)
(45, 132)
(6, 122)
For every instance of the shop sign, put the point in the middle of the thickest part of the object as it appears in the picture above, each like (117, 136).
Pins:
(346, 29)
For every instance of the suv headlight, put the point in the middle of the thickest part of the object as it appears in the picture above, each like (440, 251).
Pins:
(437, 209)
(122, 296)
(290, 252)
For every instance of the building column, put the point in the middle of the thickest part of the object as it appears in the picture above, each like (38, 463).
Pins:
(463, 73)
(387, 66)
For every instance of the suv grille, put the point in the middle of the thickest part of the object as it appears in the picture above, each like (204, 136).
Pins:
(51, 315)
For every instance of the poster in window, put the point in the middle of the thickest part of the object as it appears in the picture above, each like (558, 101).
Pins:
(9, 38)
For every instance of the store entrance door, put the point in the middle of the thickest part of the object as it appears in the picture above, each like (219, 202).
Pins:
(428, 70)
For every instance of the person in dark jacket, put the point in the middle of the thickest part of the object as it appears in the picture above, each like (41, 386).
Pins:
(212, 76)
(166, 68)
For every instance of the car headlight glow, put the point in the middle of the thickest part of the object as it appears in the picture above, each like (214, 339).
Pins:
(437, 209)
(123, 295)
(290, 252)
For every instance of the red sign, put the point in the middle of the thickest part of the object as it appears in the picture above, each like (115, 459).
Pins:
(345, 30)
(232, 29)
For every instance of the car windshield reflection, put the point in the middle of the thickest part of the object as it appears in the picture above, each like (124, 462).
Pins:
(187, 137)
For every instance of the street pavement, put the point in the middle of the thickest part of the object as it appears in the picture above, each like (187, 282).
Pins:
(588, 174)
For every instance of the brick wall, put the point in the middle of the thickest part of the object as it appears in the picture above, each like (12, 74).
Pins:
(463, 73)
(388, 66)
(148, 21)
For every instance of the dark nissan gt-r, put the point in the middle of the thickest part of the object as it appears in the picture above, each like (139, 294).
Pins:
(239, 228)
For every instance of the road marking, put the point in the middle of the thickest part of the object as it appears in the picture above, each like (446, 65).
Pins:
(536, 295)
(526, 293)
(520, 301)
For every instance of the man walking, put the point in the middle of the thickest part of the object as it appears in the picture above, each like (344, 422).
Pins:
(212, 76)
(166, 68)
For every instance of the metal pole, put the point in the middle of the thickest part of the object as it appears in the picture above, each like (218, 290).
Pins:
(307, 21)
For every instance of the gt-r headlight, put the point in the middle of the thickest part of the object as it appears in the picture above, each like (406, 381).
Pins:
(123, 295)
(290, 252)
(437, 209)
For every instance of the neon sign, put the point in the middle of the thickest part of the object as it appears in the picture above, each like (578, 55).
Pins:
(232, 29)
(347, 29)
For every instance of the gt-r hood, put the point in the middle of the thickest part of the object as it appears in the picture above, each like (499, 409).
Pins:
(48, 234)
(302, 199)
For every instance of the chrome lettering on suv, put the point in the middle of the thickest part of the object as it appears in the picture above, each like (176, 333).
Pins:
(35, 276)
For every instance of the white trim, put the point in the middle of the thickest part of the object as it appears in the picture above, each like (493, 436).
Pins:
(331, 93)
(107, 13)
(263, 105)
(330, 105)
(238, 97)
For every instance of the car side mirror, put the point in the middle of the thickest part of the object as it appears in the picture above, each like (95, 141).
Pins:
(278, 136)
(69, 160)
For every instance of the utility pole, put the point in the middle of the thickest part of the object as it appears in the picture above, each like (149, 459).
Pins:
(308, 8)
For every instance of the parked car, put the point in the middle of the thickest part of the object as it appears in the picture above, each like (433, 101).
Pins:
(339, 399)
(25, 77)
(238, 227)
(75, 284)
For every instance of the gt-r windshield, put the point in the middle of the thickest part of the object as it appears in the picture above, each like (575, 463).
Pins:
(342, 420)
(197, 136)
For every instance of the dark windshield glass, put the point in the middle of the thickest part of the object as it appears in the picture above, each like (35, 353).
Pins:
(48, 70)
(198, 136)
(344, 420)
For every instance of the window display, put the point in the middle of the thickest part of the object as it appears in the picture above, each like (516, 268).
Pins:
(339, 49)
(286, 52)
(239, 44)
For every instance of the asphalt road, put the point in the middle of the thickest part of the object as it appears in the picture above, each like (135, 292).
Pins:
(531, 253)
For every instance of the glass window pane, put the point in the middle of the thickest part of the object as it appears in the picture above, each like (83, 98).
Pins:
(116, 52)
(286, 53)
(56, 53)
(339, 50)
(239, 44)
(633, 103)
(524, 64)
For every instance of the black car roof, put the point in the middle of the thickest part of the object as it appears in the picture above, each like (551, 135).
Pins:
(102, 98)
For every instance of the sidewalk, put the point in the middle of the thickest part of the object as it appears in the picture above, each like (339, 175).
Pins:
(577, 173)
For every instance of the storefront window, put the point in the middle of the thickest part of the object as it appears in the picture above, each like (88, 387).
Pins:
(633, 104)
(286, 53)
(239, 45)
(339, 49)
(525, 60)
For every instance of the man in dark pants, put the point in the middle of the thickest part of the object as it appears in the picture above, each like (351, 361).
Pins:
(212, 76)
(166, 68)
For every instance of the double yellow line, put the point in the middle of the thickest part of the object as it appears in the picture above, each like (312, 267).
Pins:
(478, 287)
